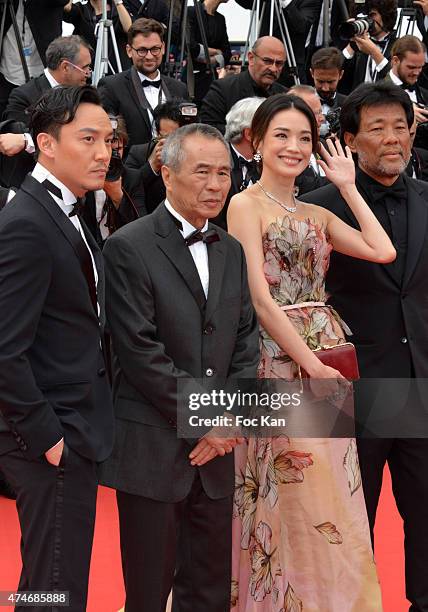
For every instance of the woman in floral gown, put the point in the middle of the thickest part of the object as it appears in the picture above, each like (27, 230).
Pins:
(301, 535)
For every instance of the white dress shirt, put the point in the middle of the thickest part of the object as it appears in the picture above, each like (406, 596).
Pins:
(397, 81)
(152, 95)
(371, 67)
(40, 173)
(198, 250)
(244, 168)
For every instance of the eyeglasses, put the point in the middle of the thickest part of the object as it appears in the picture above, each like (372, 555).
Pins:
(142, 51)
(269, 61)
(86, 69)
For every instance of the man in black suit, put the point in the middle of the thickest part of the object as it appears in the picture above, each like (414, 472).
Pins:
(178, 307)
(408, 55)
(56, 412)
(68, 62)
(146, 158)
(134, 93)
(385, 307)
(367, 56)
(265, 63)
(244, 171)
(300, 16)
(326, 71)
(39, 22)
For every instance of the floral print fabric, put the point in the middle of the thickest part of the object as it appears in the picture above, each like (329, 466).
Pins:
(301, 540)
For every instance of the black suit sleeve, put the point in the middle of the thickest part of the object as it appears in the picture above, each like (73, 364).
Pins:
(133, 203)
(25, 277)
(301, 15)
(17, 106)
(108, 97)
(136, 157)
(213, 109)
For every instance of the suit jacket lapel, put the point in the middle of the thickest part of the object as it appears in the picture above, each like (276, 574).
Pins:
(36, 191)
(216, 266)
(172, 245)
(417, 217)
(136, 90)
(99, 264)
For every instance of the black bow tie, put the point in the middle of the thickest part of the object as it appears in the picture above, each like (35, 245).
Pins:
(398, 191)
(148, 83)
(250, 164)
(408, 87)
(56, 191)
(328, 101)
(207, 237)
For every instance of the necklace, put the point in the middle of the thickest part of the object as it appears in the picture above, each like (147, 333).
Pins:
(290, 209)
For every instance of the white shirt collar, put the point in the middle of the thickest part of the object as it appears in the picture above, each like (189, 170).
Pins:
(238, 153)
(188, 228)
(395, 79)
(52, 82)
(40, 173)
(143, 77)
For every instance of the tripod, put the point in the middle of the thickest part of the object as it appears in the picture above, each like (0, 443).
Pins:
(8, 5)
(410, 14)
(275, 8)
(174, 68)
(101, 63)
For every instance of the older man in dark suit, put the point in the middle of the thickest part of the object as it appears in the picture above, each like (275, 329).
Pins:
(179, 307)
(55, 404)
(385, 306)
(134, 93)
(265, 63)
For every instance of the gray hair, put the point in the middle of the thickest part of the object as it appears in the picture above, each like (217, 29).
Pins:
(64, 48)
(240, 117)
(173, 153)
(303, 89)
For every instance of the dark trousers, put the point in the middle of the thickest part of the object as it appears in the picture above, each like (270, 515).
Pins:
(408, 463)
(185, 546)
(56, 508)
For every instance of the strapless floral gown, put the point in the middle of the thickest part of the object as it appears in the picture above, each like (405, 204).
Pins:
(301, 538)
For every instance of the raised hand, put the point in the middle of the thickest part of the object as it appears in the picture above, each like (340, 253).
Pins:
(337, 164)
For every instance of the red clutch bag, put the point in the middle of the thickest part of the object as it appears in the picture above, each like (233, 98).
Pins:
(342, 357)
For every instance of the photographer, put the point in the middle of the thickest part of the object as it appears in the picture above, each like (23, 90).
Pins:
(146, 158)
(326, 71)
(407, 62)
(367, 54)
(121, 199)
(218, 45)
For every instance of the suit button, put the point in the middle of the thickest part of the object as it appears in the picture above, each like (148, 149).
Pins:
(208, 330)
(403, 340)
(404, 295)
(209, 372)
(101, 372)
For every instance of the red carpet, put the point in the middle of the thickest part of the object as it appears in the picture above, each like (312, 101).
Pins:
(106, 587)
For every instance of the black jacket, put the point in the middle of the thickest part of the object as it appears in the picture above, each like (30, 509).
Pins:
(52, 377)
(14, 169)
(119, 96)
(152, 281)
(152, 183)
(223, 94)
(132, 206)
(388, 321)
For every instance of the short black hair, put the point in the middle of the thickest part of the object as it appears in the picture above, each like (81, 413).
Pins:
(169, 110)
(387, 10)
(57, 107)
(372, 94)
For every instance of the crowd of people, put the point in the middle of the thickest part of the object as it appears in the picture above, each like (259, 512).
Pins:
(225, 226)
